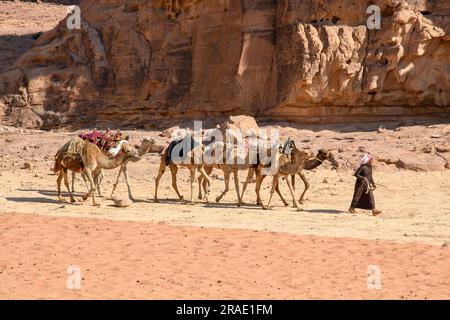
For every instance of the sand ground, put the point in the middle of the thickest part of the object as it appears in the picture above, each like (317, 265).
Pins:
(173, 249)
(146, 260)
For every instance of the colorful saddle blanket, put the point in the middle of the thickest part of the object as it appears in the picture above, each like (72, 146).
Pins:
(104, 141)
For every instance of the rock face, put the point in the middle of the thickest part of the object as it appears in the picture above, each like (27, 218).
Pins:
(136, 62)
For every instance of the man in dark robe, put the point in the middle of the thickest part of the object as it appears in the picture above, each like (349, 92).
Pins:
(364, 186)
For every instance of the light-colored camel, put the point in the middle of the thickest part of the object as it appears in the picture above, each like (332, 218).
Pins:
(228, 165)
(94, 161)
(284, 168)
(191, 165)
(308, 162)
(147, 145)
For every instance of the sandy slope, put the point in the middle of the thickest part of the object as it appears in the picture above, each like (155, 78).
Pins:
(143, 260)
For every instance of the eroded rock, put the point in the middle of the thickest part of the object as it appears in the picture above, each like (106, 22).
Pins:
(138, 62)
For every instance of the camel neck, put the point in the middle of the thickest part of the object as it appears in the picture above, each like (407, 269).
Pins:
(111, 163)
(143, 150)
(312, 164)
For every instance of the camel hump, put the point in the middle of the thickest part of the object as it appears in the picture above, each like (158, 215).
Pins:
(189, 144)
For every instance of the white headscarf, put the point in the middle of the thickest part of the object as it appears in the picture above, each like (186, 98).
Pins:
(364, 160)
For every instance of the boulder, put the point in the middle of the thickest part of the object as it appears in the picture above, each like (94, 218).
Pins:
(121, 202)
(420, 162)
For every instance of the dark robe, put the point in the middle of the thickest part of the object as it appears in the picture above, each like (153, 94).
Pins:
(363, 195)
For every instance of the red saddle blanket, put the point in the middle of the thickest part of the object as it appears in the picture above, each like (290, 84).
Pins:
(104, 141)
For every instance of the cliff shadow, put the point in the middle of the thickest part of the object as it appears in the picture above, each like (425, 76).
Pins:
(12, 47)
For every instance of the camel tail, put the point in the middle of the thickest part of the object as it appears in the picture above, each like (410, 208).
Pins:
(56, 167)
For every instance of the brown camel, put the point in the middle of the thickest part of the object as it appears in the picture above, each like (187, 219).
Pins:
(68, 157)
(147, 145)
(190, 164)
(312, 163)
(94, 161)
(306, 161)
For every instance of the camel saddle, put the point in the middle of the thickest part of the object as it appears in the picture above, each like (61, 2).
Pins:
(287, 147)
(188, 144)
(104, 141)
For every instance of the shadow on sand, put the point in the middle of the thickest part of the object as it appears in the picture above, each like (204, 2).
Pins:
(33, 199)
(329, 211)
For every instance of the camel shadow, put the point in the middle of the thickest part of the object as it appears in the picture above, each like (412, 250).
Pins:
(33, 200)
(227, 205)
(161, 201)
(329, 211)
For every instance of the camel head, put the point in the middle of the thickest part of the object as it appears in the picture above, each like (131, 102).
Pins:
(151, 145)
(324, 154)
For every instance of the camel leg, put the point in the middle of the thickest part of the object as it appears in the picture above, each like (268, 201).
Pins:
(117, 181)
(200, 182)
(249, 177)
(99, 183)
(293, 194)
(293, 185)
(203, 183)
(236, 185)
(259, 180)
(226, 176)
(274, 186)
(192, 170)
(66, 183)
(277, 189)
(58, 183)
(96, 184)
(89, 177)
(130, 195)
(206, 181)
(306, 186)
(162, 169)
(83, 176)
(206, 187)
(73, 181)
(173, 171)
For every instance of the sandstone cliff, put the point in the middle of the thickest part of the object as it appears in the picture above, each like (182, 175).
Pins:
(146, 63)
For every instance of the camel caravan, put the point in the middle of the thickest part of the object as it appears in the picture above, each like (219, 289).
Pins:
(235, 145)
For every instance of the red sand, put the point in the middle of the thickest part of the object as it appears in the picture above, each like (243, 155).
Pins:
(140, 260)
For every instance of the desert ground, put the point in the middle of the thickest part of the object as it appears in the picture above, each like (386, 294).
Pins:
(141, 251)
(175, 250)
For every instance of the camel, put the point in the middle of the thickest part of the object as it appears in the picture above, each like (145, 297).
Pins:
(284, 167)
(306, 161)
(83, 176)
(94, 161)
(232, 166)
(166, 161)
(147, 145)
(68, 157)
(312, 163)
